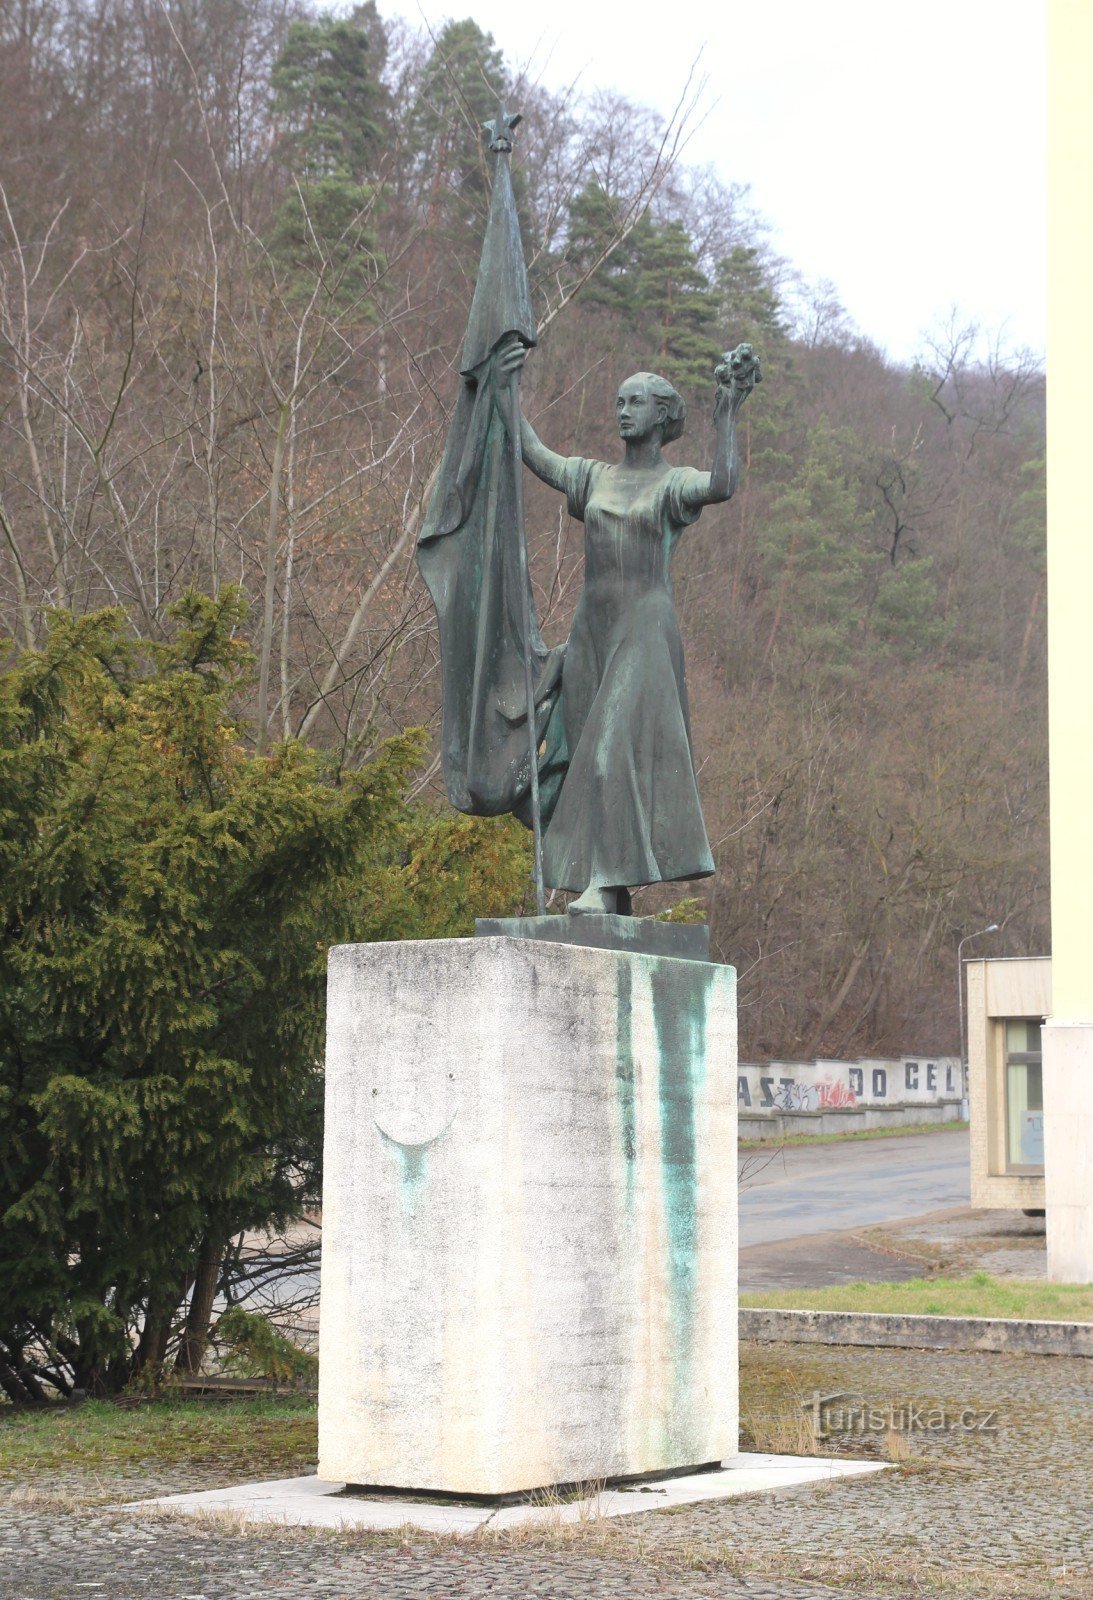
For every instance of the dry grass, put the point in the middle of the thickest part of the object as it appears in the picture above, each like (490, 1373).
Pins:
(904, 1132)
(783, 1431)
(980, 1295)
(897, 1446)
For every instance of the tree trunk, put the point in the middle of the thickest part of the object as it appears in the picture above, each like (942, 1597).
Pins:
(153, 1340)
(13, 1386)
(196, 1333)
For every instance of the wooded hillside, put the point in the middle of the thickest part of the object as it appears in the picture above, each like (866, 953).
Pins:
(237, 244)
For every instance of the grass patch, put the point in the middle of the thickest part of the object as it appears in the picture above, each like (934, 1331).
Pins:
(902, 1132)
(103, 1437)
(979, 1295)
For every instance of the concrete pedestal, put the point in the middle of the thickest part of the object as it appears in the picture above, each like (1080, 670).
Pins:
(529, 1216)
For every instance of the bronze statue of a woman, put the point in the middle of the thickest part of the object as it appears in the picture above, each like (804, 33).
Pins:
(590, 740)
(628, 812)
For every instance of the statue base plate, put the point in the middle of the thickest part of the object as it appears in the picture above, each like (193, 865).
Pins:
(688, 941)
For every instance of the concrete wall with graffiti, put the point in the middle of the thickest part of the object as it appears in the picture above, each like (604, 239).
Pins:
(869, 1093)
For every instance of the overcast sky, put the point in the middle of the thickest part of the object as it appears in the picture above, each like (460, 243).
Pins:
(897, 149)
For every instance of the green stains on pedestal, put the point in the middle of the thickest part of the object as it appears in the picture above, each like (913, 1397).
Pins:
(624, 1074)
(680, 993)
(413, 1173)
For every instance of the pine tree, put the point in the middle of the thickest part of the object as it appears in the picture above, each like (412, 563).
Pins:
(594, 221)
(461, 86)
(334, 112)
(323, 238)
(674, 297)
(652, 279)
(818, 558)
(749, 307)
(328, 96)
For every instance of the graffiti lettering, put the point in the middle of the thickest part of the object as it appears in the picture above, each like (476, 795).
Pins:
(826, 1086)
(793, 1096)
(835, 1095)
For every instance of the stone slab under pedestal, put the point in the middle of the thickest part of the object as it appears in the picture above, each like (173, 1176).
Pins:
(310, 1502)
(529, 1216)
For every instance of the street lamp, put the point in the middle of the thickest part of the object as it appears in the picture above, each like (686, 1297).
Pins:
(992, 927)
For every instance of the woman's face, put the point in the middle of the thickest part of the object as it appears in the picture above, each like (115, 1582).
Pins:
(636, 410)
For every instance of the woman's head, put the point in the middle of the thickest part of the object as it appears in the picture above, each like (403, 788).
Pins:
(646, 401)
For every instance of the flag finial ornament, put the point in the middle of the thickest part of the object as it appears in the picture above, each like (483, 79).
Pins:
(501, 129)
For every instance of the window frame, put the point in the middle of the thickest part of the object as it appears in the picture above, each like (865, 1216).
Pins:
(1025, 1058)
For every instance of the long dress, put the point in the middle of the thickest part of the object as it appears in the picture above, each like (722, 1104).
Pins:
(628, 812)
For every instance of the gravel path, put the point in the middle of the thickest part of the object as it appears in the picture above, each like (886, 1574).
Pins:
(1001, 1511)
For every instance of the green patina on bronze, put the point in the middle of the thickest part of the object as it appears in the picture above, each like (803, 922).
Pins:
(470, 553)
(641, 936)
(613, 783)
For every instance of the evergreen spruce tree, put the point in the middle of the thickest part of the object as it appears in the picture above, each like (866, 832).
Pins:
(166, 902)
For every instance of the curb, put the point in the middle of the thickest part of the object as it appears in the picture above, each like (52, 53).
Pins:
(764, 1128)
(994, 1335)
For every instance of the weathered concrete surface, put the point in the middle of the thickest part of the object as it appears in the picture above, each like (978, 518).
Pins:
(309, 1502)
(994, 1335)
(529, 1216)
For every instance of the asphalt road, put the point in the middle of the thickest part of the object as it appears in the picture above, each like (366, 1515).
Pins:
(794, 1194)
(823, 1188)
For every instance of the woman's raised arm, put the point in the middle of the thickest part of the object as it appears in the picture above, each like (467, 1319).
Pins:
(737, 374)
(545, 464)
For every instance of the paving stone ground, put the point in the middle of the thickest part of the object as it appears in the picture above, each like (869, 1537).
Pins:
(145, 1561)
(1002, 1510)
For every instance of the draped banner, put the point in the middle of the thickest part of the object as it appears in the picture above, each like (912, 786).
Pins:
(471, 555)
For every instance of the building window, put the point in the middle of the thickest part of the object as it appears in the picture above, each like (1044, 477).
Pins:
(1024, 1097)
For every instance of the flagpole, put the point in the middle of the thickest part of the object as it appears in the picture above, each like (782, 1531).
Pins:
(501, 129)
(529, 681)
(503, 258)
